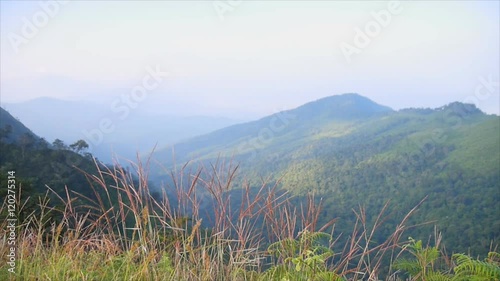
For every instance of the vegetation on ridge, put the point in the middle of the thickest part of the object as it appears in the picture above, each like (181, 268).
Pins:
(79, 219)
(128, 234)
(451, 154)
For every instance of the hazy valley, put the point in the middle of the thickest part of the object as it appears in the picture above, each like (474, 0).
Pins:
(346, 150)
(250, 140)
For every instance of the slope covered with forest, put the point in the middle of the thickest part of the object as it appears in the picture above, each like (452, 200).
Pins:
(352, 152)
(39, 165)
(335, 156)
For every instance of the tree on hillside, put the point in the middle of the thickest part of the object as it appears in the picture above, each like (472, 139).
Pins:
(26, 142)
(5, 132)
(79, 146)
(59, 144)
(42, 143)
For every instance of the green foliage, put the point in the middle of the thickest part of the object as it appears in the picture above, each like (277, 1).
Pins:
(304, 258)
(79, 146)
(469, 269)
(108, 226)
(127, 234)
(11, 129)
(422, 266)
(5, 131)
(59, 144)
(449, 154)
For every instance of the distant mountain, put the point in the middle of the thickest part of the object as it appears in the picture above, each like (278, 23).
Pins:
(137, 130)
(352, 151)
(341, 107)
(335, 115)
(53, 118)
(37, 165)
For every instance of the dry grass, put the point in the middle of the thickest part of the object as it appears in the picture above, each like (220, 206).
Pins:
(193, 231)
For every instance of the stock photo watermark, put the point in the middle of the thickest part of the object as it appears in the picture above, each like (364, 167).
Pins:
(224, 7)
(278, 123)
(32, 26)
(483, 90)
(363, 37)
(11, 221)
(122, 106)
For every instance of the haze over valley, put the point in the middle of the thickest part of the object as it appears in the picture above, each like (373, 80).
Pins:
(250, 140)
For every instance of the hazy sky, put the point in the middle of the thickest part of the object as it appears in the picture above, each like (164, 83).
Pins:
(251, 58)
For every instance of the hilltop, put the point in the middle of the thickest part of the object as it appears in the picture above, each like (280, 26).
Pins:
(352, 151)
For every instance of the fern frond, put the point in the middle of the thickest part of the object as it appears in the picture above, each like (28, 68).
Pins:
(438, 276)
(430, 255)
(493, 258)
(410, 266)
(317, 236)
(284, 248)
(279, 272)
(470, 269)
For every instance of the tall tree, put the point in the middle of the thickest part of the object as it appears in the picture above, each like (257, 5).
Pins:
(5, 131)
(26, 141)
(59, 144)
(79, 145)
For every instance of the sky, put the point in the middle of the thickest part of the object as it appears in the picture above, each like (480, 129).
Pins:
(245, 59)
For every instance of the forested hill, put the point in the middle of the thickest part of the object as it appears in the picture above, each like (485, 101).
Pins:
(351, 151)
(12, 130)
(335, 115)
(38, 164)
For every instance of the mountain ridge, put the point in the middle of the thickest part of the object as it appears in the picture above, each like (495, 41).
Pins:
(331, 116)
(13, 128)
(80, 120)
(449, 155)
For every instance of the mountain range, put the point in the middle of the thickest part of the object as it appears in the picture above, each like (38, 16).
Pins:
(12, 128)
(347, 150)
(139, 131)
(352, 152)
(349, 119)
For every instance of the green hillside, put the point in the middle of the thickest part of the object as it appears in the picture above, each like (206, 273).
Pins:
(351, 151)
(39, 165)
(12, 130)
(109, 223)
